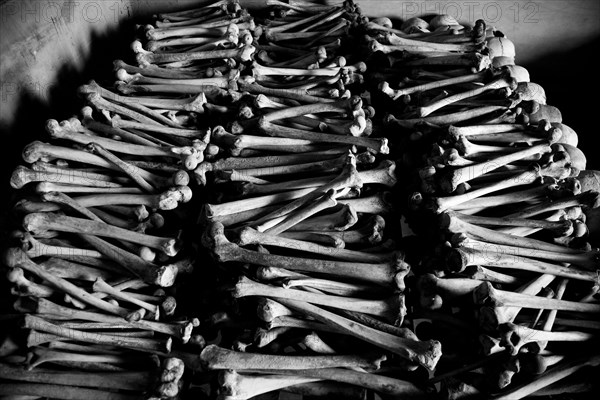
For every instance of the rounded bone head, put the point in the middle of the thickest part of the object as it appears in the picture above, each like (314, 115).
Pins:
(414, 24)
(569, 136)
(14, 257)
(589, 180)
(246, 52)
(501, 61)
(20, 177)
(578, 159)
(500, 47)
(517, 72)
(182, 178)
(172, 369)
(442, 20)
(34, 151)
(530, 91)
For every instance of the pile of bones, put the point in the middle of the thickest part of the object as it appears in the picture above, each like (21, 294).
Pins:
(315, 257)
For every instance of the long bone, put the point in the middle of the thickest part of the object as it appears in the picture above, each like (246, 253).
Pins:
(492, 255)
(250, 236)
(23, 175)
(14, 257)
(248, 84)
(386, 274)
(340, 107)
(587, 199)
(149, 345)
(39, 355)
(246, 175)
(238, 142)
(168, 200)
(551, 170)
(391, 309)
(215, 357)
(46, 187)
(244, 386)
(491, 316)
(397, 93)
(93, 127)
(130, 170)
(219, 81)
(534, 194)
(70, 270)
(100, 103)
(227, 40)
(280, 224)
(118, 122)
(53, 311)
(37, 150)
(383, 174)
(60, 132)
(472, 60)
(216, 210)
(371, 233)
(378, 145)
(348, 178)
(476, 232)
(34, 248)
(39, 390)
(242, 54)
(503, 82)
(101, 286)
(563, 228)
(402, 44)
(152, 71)
(339, 220)
(486, 294)
(379, 383)
(46, 221)
(151, 273)
(464, 174)
(138, 380)
(558, 372)
(446, 119)
(425, 353)
(214, 29)
(40, 166)
(481, 273)
(329, 286)
(261, 70)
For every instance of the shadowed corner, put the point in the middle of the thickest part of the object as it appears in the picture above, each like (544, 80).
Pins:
(570, 80)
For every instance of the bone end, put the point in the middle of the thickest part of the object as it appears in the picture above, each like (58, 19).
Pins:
(165, 276)
(18, 179)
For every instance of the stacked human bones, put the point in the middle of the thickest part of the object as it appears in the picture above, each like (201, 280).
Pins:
(100, 252)
(501, 191)
(268, 118)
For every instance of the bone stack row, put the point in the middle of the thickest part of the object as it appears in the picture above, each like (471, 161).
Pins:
(99, 247)
(298, 188)
(499, 194)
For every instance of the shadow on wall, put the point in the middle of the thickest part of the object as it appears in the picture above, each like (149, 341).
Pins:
(63, 102)
(571, 83)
